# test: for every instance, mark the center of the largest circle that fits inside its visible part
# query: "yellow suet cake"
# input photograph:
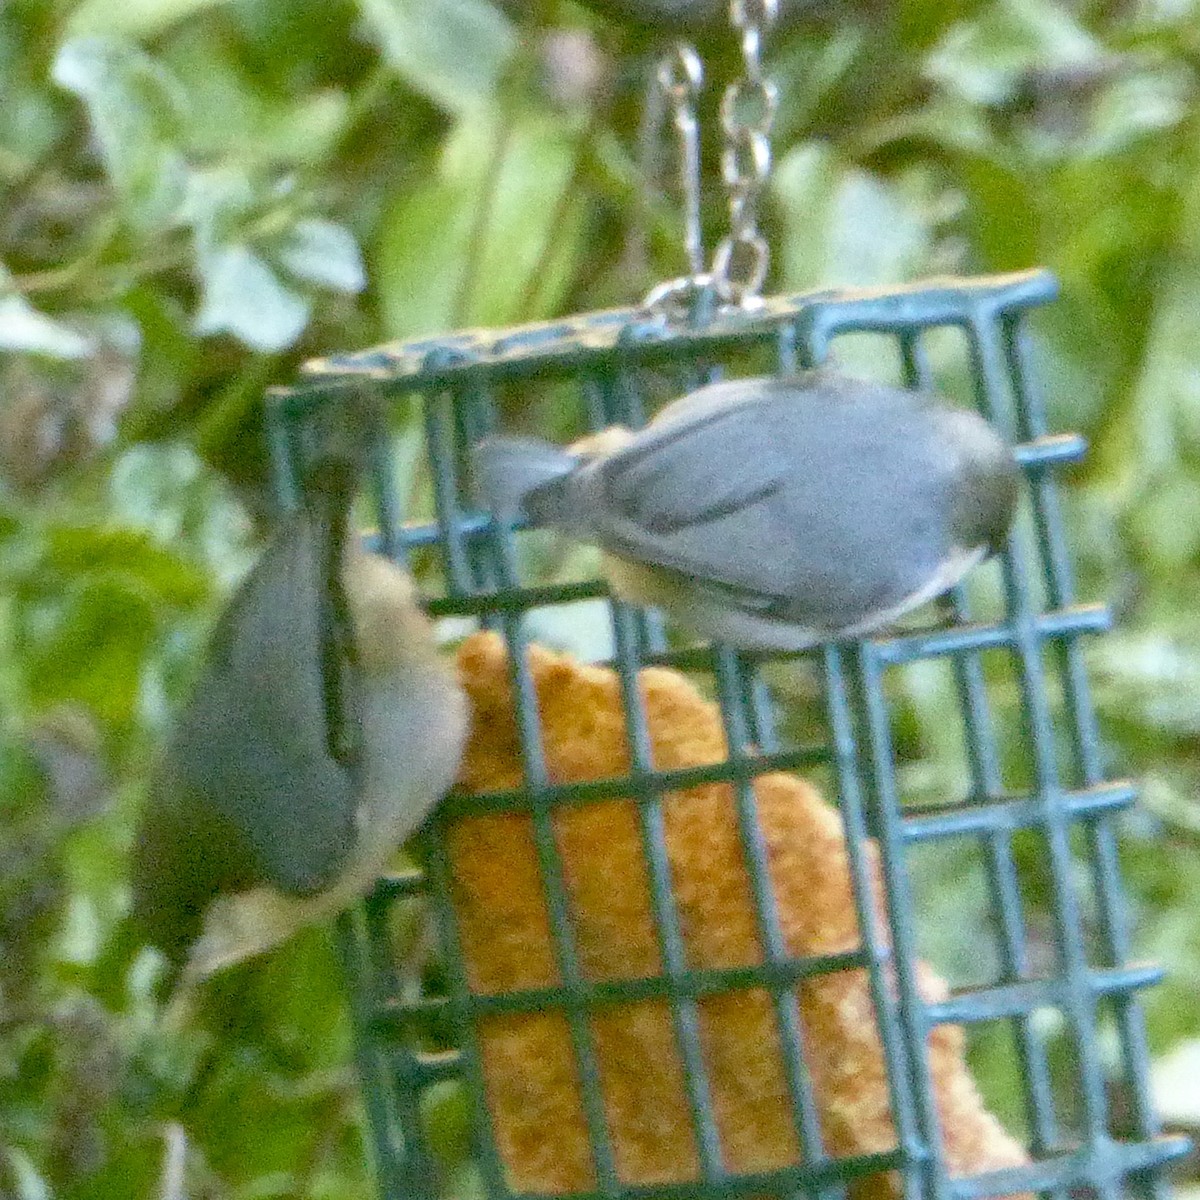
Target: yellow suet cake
(533, 1090)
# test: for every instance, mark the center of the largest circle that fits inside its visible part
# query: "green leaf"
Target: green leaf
(843, 226)
(166, 490)
(30, 121)
(1164, 524)
(1152, 677)
(1139, 104)
(134, 18)
(133, 1167)
(452, 51)
(946, 120)
(1165, 411)
(304, 131)
(93, 648)
(323, 253)
(133, 554)
(446, 1113)
(1173, 1081)
(29, 1184)
(220, 201)
(247, 1097)
(984, 60)
(24, 329)
(233, 115)
(133, 105)
(463, 247)
(244, 297)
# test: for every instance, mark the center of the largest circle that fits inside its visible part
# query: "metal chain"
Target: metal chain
(748, 110)
(678, 78)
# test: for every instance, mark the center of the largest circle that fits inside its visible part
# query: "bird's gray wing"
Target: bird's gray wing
(800, 498)
(253, 743)
(676, 474)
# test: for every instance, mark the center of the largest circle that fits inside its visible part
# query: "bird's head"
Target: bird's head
(988, 482)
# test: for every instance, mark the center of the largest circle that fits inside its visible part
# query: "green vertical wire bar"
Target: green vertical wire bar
(1080, 999)
(1036, 1080)
(492, 557)
(755, 696)
(988, 389)
(897, 1051)
(786, 358)
(375, 964)
(752, 703)
(1086, 743)
(914, 362)
(281, 427)
(900, 911)
(625, 397)
(439, 448)
(536, 781)
(382, 476)
(566, 955)
(385, 979)
(491, 1165)
(284, 440)
(908, 1083)
(634, 628)
(378, 1096)
(594, 389)
(391, 544)
(819, 330)
(1006, 906)
(439, 442)
(784, 1002)
(477, 419)
(440, 436)
(475, 411)
(1036, 1083)
(758, 711)
(417, 1161)
(648, 799)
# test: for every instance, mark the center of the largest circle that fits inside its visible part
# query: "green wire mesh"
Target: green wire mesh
(1006, 648)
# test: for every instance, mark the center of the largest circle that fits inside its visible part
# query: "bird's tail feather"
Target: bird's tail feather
(510, 470)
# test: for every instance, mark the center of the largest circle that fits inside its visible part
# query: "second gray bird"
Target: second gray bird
(321, 732)
(774, 514)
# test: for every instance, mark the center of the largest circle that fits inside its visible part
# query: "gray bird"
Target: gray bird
(322, 730)
(774, 514)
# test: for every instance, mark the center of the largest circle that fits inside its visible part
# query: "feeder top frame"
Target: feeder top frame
(576, 343)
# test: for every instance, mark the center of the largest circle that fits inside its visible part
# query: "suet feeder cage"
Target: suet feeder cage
(682, 1068)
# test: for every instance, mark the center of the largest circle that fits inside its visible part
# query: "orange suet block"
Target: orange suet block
(533, 1088)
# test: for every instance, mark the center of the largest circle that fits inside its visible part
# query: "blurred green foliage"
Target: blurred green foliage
(197, 195)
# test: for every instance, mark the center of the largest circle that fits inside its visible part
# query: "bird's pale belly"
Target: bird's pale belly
(240, 926)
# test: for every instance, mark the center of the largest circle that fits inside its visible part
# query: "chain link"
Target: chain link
(678, 78)
(748, 110)
(748, 107)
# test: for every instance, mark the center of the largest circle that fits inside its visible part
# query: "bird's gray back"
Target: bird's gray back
(253, 740)
(817, 490)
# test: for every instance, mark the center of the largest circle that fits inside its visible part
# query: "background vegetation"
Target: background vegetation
(196, 195)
